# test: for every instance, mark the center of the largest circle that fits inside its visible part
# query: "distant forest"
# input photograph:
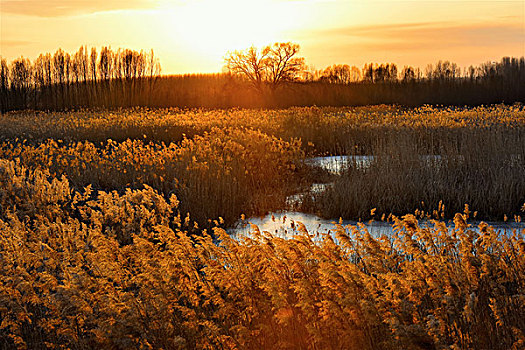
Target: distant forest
(125, 78)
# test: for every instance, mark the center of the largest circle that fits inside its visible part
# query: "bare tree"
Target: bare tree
(59, 76)
(272, 65)
(21, 80)
(104, 71)
(4, 85)
(153, 72)
(341, 74)
(250, 64)
(368, 73)
(355, 74)
(105, 64)
(93, 70)
(282, 63)
(408, 74)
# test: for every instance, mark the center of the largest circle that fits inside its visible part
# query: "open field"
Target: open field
(113, 229)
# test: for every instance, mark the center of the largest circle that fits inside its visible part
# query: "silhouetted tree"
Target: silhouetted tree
(408, 74)
(250, 64)
(21, 80)
(59, 76)
(341, 74)
(443, 71)
(282, 63)
(4, 85)
(384, 73)
(272, 65)
(129, 78)
(368, 73)
(153, 72)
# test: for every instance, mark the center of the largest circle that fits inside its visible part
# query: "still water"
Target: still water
(287, 225)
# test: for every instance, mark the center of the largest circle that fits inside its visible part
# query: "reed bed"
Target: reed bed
(249, 160)
(485, 169)
(223, 172)
(326, 130)
(84, 270)
(112, 229)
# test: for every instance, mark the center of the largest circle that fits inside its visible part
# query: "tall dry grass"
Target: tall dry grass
(478, 167)
(331, 130)
(482, 153)
(221, 173)
(97, 250)
(68, 279)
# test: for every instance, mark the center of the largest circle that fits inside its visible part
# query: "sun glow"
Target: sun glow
(214, 27)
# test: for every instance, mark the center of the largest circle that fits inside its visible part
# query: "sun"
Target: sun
(214, 27)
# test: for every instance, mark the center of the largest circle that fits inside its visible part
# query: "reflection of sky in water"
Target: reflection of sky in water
(286, 225)
(336, 164)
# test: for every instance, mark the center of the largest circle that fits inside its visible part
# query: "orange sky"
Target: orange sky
(193, 35)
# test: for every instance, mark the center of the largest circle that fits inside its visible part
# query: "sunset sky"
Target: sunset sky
(193, 36)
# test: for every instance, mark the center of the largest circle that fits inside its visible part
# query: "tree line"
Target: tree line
(441, 83)
(258, 66)
(271, 76)
(86, 78)
(509, 68)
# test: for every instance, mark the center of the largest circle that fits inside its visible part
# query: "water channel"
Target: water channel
(285, 224)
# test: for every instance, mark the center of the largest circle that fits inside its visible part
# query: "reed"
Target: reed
(222, 173)
(484, 168)
(69, 280)
(253, 157)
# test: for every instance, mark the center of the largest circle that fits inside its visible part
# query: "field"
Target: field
(114, 229)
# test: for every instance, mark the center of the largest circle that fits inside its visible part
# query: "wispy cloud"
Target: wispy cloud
(57, 8)
(428, 35)
(14, 43)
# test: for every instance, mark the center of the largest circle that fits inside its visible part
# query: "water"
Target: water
(337, 164)
(287, 224)
(295, 200)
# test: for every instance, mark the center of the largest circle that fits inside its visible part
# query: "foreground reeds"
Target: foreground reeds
(89, 270)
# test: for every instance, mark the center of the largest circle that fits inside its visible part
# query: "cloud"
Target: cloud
(428, 35)
(14, 43)
(57, 8)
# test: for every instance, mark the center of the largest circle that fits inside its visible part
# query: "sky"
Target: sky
(191, 36)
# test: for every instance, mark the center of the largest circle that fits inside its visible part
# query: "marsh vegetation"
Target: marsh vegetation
(115, 228)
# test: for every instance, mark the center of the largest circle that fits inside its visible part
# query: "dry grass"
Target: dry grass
(331, 130)
(224, 172)
(484, 168)
(482, 148)
(97, 251)
(69, 279)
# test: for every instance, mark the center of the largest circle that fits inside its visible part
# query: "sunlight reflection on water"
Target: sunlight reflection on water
(337, 164)
(286, 225)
